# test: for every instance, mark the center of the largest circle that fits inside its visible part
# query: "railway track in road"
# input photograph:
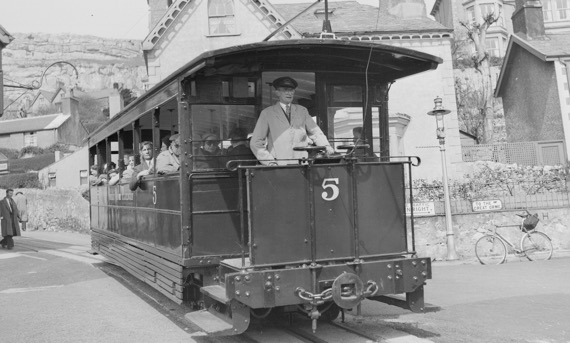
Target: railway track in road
(326, 333)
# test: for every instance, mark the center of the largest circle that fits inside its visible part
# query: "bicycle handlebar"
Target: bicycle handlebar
(524, 215)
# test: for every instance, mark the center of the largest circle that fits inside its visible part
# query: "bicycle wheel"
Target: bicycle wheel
(537, 246)
(490, 250)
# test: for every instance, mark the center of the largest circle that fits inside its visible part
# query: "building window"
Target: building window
(51, 177)
(30, 139)
(563, 9)
(492, 47)
(556, 10)
(221, 17)
(487, 9)
(83, 177)
(470, 12)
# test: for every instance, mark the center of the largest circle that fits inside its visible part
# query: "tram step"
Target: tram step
(216, 292)
(209, 322)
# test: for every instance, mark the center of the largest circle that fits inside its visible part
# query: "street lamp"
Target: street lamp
(439, 112)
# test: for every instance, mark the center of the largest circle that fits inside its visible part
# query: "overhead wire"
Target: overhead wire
(367, 86)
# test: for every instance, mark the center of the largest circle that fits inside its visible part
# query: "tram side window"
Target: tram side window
(168, 150)
(345, 115)
(211, 128)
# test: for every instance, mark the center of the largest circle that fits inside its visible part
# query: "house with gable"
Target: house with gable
(183, 29)
(44, 131)
(45, 99)
(533, 84)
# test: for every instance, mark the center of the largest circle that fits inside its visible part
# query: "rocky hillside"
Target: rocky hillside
(100, 62)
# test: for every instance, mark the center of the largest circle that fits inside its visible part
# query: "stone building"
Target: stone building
(533, 84)
(44, 131)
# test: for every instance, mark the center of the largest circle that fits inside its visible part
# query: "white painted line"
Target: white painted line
(15, 254)
(29, 289)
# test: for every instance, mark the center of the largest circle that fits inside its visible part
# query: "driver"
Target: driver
(284, 126)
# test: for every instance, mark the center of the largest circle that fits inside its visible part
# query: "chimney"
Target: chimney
(59, 84)
(116, 103)
(407, 9)
(528, 20)
(69, 104)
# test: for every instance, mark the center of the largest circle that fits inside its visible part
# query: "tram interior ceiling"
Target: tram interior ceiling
(233, 240)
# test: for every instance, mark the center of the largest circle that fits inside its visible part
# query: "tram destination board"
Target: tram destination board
(487, 205)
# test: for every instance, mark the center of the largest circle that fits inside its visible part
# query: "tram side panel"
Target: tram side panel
(279, 216)
(168, 222)
(381, 209)
(215, 215)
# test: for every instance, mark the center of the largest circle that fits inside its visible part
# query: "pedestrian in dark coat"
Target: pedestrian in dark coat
(9, 217)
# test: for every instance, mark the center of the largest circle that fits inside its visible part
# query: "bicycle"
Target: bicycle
(534, 245)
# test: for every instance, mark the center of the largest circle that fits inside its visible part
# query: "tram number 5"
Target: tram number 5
(154, 195)
(332, 185)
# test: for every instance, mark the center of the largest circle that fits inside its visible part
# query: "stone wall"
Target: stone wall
(66, 210)
(431, 231)
(56, 210)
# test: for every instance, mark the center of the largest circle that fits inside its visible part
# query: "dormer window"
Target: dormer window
(221, 17)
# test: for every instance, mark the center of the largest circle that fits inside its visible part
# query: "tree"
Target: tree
(128, 96)
(475, 98)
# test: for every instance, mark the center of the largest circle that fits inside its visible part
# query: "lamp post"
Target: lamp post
(438, 112)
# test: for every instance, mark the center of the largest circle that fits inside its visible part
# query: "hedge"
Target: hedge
(36, 163)
(22, 180)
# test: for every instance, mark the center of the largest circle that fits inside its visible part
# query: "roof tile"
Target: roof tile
(40, 123)
(351, 16)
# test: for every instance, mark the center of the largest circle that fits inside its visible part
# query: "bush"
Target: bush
(23, 180)
(31, 150)
(10, 153)
(492, 179)
(35, 163)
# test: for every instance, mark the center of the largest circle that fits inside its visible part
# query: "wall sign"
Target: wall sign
(487, 205)
(421, 209)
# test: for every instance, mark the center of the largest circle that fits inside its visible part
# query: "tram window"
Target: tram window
(376, 132)
(238, 88)
(214, 123)
(114, 145)
(342, 123)
(145, 123)
(304, 94)
(346, 93)
(168, 121)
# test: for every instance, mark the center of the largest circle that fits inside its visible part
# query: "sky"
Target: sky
(124, 19)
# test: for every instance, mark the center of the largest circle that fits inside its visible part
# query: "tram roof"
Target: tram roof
(391, 62)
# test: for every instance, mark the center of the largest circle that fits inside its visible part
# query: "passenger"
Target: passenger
(145, 167)
(284, 126)
(108, 167)
(128, 172)
(114, 176)
(165, 143)
(95, 179)
(357, 135)
(169, 161)
(239, 149)
(209, 154)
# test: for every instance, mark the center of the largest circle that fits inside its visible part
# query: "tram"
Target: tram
(239, 240)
